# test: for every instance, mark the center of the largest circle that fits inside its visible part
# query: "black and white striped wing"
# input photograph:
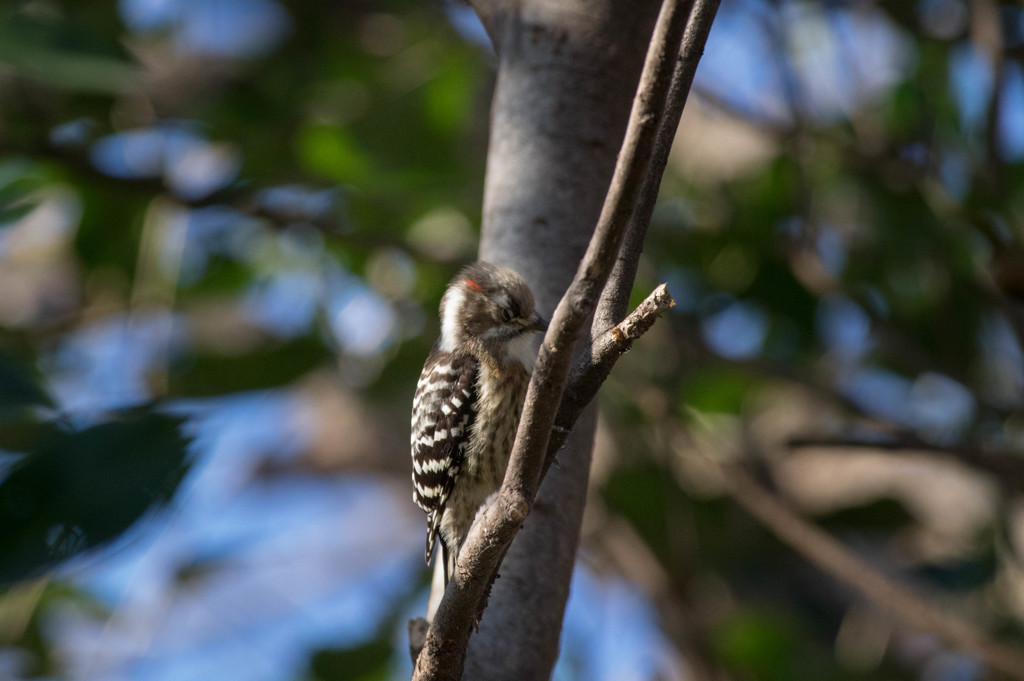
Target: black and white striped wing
(442, 414)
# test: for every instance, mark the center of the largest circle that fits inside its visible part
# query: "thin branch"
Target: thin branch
(591, 371)
(444, 652)
(615, 299)
(1006, 466)
(836, 560)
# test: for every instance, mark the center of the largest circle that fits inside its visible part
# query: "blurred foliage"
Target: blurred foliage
(363, 663)
(77, 490)
(19, 388)
(220, 199)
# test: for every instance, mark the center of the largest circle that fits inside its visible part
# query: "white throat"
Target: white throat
(453, 300)
(524, 349)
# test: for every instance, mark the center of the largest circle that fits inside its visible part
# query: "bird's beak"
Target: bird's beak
(539, 323)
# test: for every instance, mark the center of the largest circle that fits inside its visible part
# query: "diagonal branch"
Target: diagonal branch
(591, 371)
(834, 559)
(443, 654)
(615, 299)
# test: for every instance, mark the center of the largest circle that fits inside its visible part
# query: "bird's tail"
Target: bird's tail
(443, 567)
(433, 525)
(449, 563)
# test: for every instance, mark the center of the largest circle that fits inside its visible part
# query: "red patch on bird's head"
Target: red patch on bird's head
(473, 285)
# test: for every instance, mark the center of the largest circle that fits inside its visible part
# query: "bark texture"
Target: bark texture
(567, 73)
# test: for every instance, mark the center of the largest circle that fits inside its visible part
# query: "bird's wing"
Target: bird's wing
(442, 414)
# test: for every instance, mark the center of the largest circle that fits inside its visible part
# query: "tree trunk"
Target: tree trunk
(567, 73)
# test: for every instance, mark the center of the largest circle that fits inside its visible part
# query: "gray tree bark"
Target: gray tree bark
(567, 73)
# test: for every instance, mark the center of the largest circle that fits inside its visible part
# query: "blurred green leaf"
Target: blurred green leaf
(41, 51)
(15, 200)
(81, 489)
(780, 291)
(448, 96)
(333, 152)
(108, 212)
(20, 387)
(368, 662)
(758, 643)
(69, 70)
(774, 645)
(267, 367)
(646, 497)
(717, 389)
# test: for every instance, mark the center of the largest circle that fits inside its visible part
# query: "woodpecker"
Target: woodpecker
(469, 398)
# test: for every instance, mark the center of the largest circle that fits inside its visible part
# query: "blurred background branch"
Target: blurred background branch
(830, 556)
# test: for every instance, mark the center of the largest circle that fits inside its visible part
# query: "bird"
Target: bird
(468, 400)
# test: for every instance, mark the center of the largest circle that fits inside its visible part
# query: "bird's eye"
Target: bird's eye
(506, 314)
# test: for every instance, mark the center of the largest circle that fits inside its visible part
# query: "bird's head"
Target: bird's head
(490, 308)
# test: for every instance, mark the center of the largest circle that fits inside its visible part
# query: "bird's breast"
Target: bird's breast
(500, 394)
